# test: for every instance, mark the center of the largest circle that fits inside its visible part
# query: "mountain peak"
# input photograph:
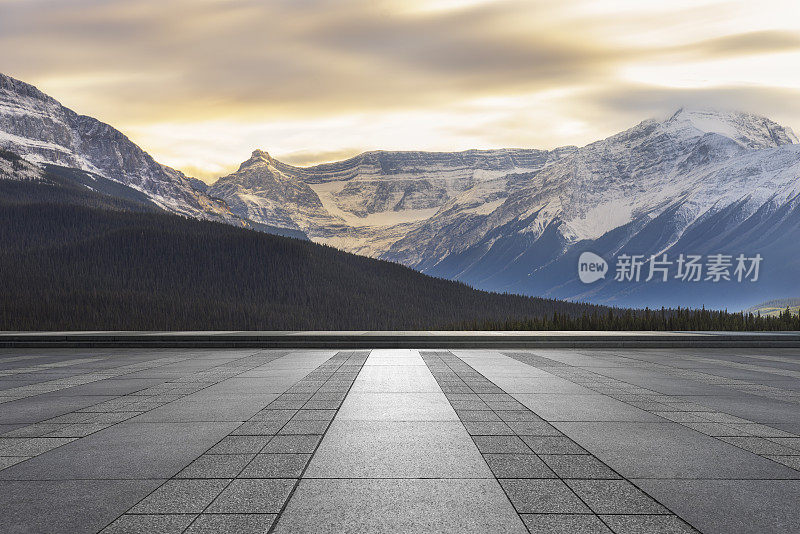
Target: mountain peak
(260, 154)
(257, 157)
(38, 128)
(746, 129)
(19, 88)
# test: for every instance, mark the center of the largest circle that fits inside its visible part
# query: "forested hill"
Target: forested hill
(74, 259)
(106, 258)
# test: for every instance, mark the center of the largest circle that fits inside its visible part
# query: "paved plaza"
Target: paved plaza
(550, 441)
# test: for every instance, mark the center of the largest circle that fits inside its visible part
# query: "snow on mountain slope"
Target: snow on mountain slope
(508, 219)
(368, 202)
(660, 187)
(746, 129)
(500, 218)
(39, 128)
(258, 190)
(638, 173)
(14, 167)
(677, 160)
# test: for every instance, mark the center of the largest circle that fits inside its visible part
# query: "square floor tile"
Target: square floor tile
(565, 524)
(232, 524)
(273, 414)
(615, 497)
(148, 524)
(314, 415)
(517, 415)
(469, 405)
(518, 466)
(253, 496)
(276, 466)
(488, 428)
(579, 466)
(240, 445)
(292, 444)
(180, 497)
(500, 444)
(537, 496)
(477, 415)
(322, 405)
(305, 427)
(259, 428)
(216, 466)
(533, 428)
(647, 524)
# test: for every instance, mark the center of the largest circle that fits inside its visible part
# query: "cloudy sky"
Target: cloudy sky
(201, 83)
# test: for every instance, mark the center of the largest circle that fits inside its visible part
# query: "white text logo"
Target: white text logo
(591, 267)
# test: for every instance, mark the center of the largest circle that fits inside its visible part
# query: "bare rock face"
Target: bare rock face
(696, 182)
(514, 220)
(15, 167)
(41, 130)
(263, 193)
(366, 203)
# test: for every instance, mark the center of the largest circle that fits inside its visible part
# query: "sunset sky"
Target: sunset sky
(201, 83)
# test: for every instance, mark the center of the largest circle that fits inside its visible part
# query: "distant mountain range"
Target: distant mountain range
(106, 257)
(697, 183)
(776, 307)
(46, 133)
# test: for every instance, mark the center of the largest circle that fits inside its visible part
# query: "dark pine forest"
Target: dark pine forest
(73, 259)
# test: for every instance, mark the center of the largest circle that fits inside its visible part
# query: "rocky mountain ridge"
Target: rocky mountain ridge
(696, 181)
(37, 127)
(479, 216)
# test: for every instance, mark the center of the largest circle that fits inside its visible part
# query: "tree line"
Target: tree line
(665, 319)
(74, 260)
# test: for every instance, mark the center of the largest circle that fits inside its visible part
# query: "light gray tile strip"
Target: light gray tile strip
(553, 483)
(762, 440)
(44, 366)
(737, 384)
(243, 482)
(50, 386)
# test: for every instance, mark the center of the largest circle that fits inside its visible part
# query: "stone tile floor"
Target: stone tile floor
(293, 441)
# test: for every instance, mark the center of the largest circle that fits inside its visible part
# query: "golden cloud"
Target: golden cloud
(290, 75)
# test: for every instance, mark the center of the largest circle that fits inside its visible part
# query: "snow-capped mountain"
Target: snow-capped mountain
(40, 129)
(698, 182)
(516, 220)
(367, 203)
